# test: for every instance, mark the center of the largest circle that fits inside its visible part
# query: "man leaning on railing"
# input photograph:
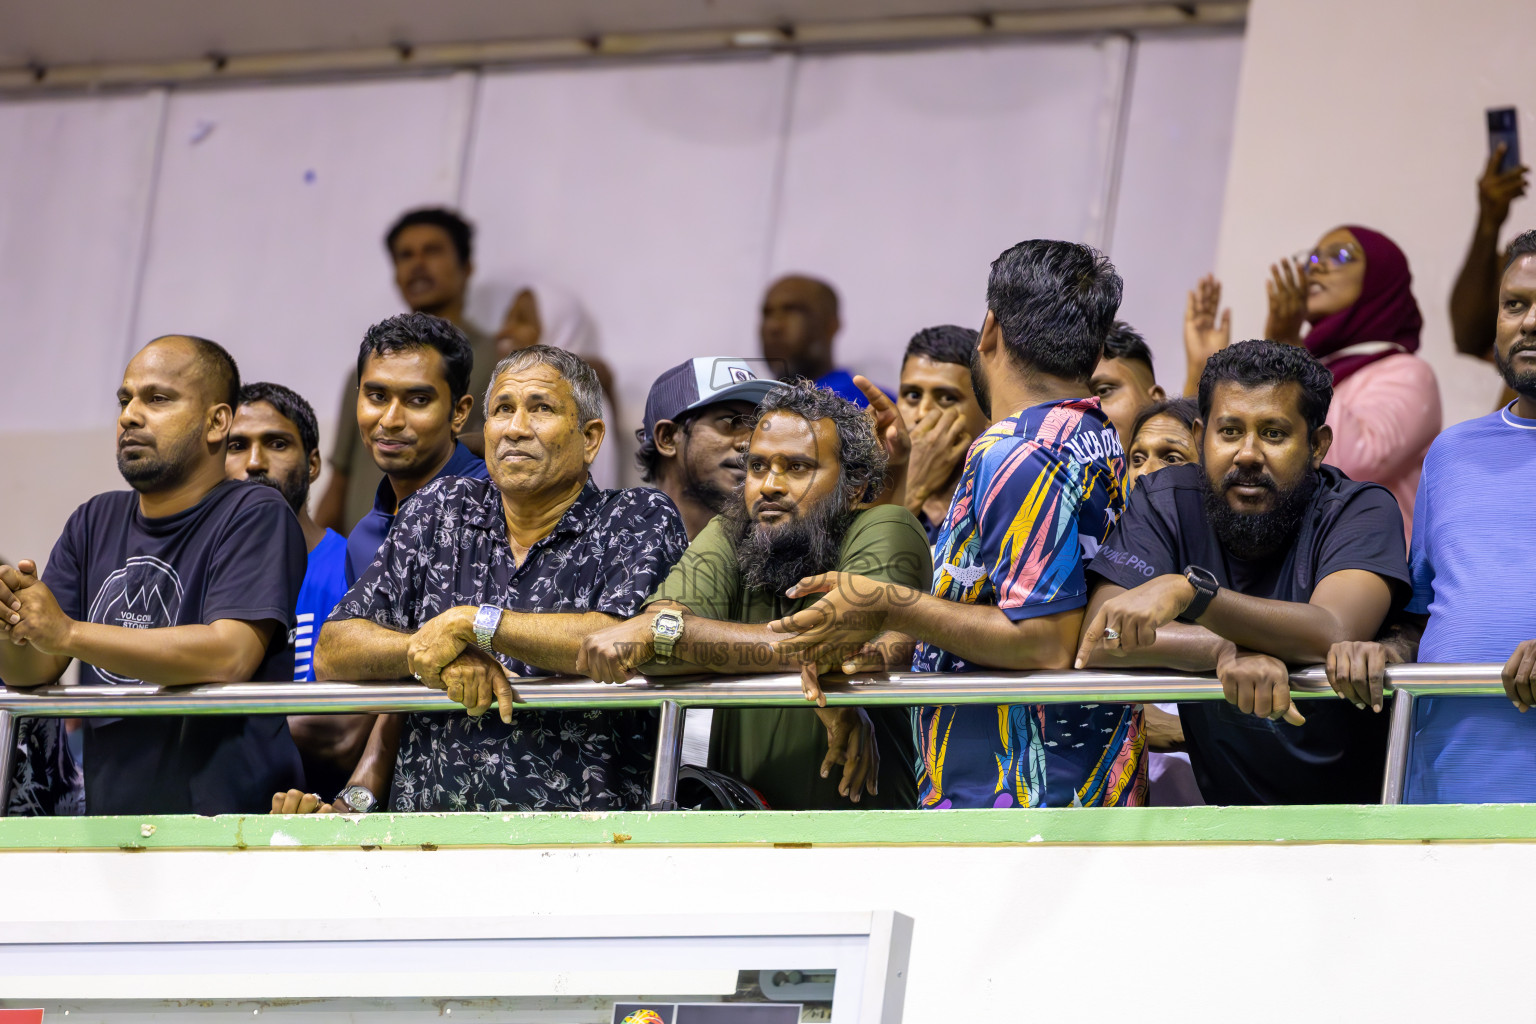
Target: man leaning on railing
(480, 578)
(1258, 559)
(187, 578)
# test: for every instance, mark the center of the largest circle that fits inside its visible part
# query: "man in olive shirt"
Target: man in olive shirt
(431, 250)
(813, 466)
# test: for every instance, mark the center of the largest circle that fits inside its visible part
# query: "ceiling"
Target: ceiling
(50, 33)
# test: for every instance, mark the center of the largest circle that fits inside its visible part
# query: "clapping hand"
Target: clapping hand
(1287, 291)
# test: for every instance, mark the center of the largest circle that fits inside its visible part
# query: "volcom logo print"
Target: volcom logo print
(145, 593)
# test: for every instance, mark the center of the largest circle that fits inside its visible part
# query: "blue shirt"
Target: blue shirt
(1471, 549)
(841, 383)
(325, 584)
(368, 535)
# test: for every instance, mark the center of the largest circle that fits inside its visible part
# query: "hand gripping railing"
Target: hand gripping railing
(672, 695)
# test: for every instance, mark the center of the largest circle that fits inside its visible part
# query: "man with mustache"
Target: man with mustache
(1258, 559)
(413, 402)
(814, 465)
(697, 423)
(187, 578)
(432, 252)
(1472, 600)
(480, 579)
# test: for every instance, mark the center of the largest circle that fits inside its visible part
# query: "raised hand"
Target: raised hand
(1287, 291)
(1496, 191)
(1207, 327)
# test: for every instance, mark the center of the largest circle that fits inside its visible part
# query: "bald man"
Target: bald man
(800, 320)
(186, 578)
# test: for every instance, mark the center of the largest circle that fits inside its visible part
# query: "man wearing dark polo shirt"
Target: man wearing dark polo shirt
(412, 404)
(1257, 560)
(187, 578)
(813, 464)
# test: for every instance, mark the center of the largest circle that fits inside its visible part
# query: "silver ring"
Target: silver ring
(1110, 633)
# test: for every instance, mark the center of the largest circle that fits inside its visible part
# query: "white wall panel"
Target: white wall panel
(75, 180)
(270, 213)
(907, 173)
(1173, 173)
(645, 189)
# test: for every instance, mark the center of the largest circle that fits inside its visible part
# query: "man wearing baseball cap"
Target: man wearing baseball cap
(696, 429)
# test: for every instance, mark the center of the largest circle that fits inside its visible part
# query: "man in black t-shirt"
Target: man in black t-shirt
(1266, 558)
(187, 578)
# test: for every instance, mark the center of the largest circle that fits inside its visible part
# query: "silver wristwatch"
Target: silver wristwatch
(359, 798)
(487, 619)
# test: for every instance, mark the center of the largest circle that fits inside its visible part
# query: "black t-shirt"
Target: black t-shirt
(1339, 754)
(237, 554)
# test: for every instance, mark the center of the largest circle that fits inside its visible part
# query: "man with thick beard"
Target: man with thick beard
(697, 422)
(814, 465)
(1472, 600)
(1259, 559)
(187, 578)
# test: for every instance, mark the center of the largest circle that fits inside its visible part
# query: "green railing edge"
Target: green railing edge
(1093, 826)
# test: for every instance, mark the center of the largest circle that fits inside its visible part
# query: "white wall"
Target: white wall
(1324, 933)
(666, 193)
(1371, 112)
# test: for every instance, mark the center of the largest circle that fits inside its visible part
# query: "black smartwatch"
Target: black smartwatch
(1204, 582)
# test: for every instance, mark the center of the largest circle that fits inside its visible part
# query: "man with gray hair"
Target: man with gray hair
(814, 468)
(482, 579)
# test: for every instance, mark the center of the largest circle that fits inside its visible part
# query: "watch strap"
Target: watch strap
(487, 619)
(1204, 582)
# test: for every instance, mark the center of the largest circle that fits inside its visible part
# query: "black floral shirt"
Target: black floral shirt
(449, 547)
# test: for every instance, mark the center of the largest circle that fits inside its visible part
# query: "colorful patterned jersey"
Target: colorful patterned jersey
(1038, 493)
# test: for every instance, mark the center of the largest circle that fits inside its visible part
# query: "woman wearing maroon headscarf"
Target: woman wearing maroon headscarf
(1355, 291)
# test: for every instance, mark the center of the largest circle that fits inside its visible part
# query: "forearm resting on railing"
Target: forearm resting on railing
(356, 649)
(225, 651)
(985, 635)
(1347, 605)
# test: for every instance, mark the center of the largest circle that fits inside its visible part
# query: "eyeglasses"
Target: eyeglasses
(1333, 258)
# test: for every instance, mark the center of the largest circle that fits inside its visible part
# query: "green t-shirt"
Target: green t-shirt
(778, 751)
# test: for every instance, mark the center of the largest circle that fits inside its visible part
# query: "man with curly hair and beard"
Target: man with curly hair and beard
(813, 467)
(1258, 559)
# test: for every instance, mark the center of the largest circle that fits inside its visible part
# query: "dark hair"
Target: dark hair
(215, 361)
(946, 344)
(1054, 302)
(291, 405)
(1255, 364)
(421, 330)
(1523, 245)
(1182, 409)
(647, 457)
(860, 453)
(460, 231)
(1124, 342)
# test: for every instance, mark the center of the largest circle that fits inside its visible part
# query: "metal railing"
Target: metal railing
(671, 696)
